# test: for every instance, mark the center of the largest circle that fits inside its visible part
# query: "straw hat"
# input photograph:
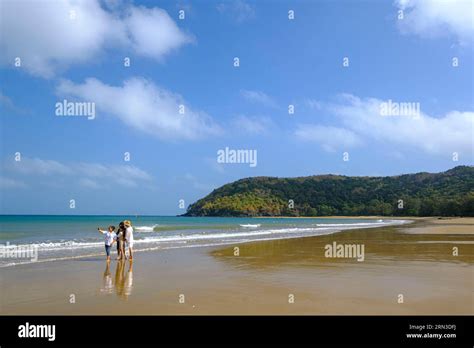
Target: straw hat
(127, 223)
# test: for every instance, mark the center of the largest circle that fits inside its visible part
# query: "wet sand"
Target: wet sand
(290, 276)
(445, 226)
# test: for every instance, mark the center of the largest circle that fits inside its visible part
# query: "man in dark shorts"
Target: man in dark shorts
(120, 241)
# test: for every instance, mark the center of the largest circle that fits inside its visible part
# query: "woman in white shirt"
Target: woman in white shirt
(129, 237)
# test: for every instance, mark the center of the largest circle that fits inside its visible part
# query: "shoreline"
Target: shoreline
(261, 279)
(349, 217)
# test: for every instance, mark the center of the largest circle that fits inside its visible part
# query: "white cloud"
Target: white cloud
(153, 33)
(142, 105)
(51, 35)
(90, 175)
(7, 183)
(253, 125)
(431, 18)
(6, 101)
(259, 97)
(313, 104)
(239, 10)
(89, 183)
(41, 167)
(8, 104)
(452, 132)
(330, 138)
(196, 184)
(124, 175)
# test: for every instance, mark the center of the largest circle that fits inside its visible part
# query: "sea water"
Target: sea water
(68, 237)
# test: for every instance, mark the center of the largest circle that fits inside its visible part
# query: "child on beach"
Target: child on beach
(110, 238)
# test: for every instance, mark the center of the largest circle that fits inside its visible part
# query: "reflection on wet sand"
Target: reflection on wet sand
(123, 281)
(382, 245)
(107, 284)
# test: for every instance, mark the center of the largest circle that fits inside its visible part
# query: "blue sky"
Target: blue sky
(75, 51)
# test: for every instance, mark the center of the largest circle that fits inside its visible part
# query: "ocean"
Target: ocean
(42, 238)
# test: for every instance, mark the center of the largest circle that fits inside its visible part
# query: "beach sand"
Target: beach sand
(414, 260)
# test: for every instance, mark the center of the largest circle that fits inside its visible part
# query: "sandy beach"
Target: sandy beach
(290, 277)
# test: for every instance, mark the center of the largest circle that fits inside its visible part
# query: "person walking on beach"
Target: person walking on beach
(110, 238)
(121, 241)
(129, 237)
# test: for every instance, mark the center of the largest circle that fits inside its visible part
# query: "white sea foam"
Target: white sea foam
(230, 235)
(63, 245)
(145, 228)
(355, 224)
(250, 225)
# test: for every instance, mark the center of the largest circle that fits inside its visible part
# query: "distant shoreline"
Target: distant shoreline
(346, 217)
(383, 217)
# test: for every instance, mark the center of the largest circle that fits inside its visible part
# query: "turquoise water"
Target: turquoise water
(66, 237)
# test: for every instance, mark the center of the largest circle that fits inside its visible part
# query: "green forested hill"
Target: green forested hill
(449, 193)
